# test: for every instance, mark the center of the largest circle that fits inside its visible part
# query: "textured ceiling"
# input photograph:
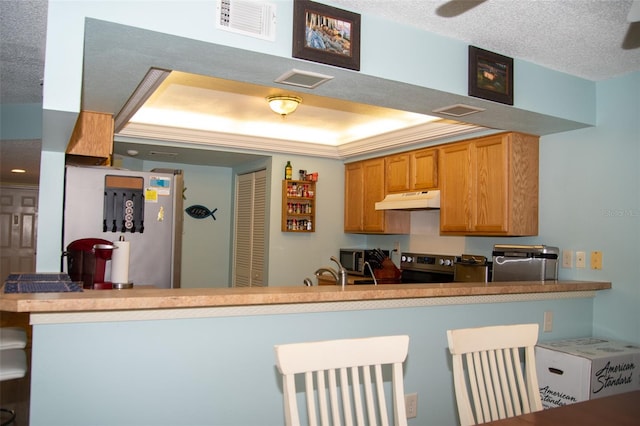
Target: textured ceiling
(584, 38)
(23, 29)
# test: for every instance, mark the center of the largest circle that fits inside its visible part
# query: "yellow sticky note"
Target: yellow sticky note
(150, 195)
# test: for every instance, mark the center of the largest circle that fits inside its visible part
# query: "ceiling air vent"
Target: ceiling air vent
(248, 17)
(458, 110)
(307, 79)
(163, 154)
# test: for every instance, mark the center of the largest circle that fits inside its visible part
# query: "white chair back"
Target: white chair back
(344, 367)
(494, 372)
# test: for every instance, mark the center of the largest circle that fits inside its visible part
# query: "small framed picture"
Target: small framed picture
(490, 76)
(326, 34)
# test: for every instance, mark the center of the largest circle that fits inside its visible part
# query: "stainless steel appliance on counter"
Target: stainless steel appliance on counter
(144, 207)
(353, 260)
(426, 268)
(472, 268)
(525, 262)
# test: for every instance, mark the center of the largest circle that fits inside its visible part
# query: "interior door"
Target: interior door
(18, 224)
(249, 232)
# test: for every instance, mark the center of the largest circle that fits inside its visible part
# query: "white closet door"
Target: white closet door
(249, 233)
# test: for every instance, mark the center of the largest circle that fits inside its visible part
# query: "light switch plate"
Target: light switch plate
(567, 259)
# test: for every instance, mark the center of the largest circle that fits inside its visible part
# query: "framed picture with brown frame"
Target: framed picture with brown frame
(326, 34)
(490, 76)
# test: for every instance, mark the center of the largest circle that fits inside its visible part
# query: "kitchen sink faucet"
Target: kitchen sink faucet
(340, 275)
(343, 272)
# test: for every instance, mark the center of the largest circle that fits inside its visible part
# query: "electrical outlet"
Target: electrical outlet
(581, 261)
(567, 259)
(411, 404)
(596, 260)
(547, 325)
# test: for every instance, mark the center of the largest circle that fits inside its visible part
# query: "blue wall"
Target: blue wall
(221, 371)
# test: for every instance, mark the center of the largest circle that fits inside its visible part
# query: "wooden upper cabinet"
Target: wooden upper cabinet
(489, 186)
(455, 188)
(397, 169)
(92, 139)
(373, 191)
(424, 170)
(412, 171)
(353, 205)
(365, 186)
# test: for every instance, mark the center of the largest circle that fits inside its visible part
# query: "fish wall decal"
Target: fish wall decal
(200, 212)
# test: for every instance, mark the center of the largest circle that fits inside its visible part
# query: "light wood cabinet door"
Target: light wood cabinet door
(353, 198)
(364, 187)
(523, 184)
(424, 170)
(456, 206)
(373, 220)
(398, 173)
(489, 186)
(490, 164)
(412, 171)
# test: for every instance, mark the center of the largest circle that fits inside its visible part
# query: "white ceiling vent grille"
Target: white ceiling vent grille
(307, 79)
(248, 17)
(458, 110)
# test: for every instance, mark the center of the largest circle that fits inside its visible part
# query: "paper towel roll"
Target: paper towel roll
(120, 263)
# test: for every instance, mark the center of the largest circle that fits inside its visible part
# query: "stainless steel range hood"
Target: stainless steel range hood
(423, 200)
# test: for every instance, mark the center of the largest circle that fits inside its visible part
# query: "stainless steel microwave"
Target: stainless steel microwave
(353, 260)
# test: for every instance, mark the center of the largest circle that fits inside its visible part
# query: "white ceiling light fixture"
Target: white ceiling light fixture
(284, 104)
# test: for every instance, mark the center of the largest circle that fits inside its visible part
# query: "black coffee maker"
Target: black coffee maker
(87, 262)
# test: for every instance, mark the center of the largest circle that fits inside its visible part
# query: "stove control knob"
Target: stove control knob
(403, 258)
(447, 262)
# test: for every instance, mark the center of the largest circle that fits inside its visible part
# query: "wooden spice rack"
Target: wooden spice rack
(298, 206)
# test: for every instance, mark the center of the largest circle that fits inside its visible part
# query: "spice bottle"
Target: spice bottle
(288, 170)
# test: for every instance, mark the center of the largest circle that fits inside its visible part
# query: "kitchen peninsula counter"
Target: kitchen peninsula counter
(153, 349)
(158, 299)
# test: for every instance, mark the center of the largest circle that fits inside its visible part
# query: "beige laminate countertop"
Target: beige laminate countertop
(149, 298)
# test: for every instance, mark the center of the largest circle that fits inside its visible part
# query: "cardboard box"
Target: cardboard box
(576, 370)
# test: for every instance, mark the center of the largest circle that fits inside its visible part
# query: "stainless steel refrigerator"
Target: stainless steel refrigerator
(145, 208)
